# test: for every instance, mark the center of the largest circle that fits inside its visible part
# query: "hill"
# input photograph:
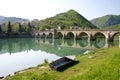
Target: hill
(117, 26)
(2, 17)
(108, 21)
(11, 19)
(66, 20)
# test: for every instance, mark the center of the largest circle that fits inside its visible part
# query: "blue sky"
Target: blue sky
(40, 9)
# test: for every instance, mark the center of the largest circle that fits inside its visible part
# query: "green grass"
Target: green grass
(105, 65)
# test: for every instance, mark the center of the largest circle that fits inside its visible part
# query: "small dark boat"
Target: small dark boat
(60, 63)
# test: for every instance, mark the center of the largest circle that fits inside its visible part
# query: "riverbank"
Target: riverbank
(102, 64)
(15, 35)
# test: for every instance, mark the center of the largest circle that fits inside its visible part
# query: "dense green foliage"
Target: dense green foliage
(16, 27)
(107, 21)
(117, 26)
(67, 20)
(103, 66)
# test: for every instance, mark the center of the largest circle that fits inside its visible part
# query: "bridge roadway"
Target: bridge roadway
(91, 33)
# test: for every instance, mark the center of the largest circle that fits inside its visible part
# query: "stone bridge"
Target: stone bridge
(77, 34)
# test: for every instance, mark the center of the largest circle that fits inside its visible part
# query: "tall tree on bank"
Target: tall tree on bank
(20, 28)
(9, 27)
(30, 27)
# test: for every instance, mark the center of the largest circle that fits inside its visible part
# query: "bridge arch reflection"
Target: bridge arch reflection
(18, 45)
(83, 43)
(78, 43)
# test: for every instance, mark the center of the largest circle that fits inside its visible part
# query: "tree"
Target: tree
(15, 27)
(9, 27)
(55, 32)
(30, 27)
(20, 28)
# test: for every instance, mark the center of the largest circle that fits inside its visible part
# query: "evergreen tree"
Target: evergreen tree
(55, 32)
(30, 27)
(9, 27)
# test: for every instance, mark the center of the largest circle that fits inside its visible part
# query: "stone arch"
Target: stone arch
(50, 35)
(70, 35)
(37, 35)
(113, 36)
(82, 35)
(99, 35)
(43, 35)
(60, 35)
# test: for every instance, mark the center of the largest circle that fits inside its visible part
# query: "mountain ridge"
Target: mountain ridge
(4, 19)
(106, 21)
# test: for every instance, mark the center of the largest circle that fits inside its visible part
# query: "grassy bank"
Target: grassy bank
(104, 65)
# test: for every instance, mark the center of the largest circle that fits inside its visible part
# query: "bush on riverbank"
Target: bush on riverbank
(104, 65)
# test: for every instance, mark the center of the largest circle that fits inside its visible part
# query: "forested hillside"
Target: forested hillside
(108, 21)
(67, 20)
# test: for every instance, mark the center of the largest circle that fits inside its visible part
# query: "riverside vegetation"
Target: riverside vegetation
(104, 65)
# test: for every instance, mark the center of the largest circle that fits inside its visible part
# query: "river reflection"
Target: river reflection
(17, 54)
(18, 45)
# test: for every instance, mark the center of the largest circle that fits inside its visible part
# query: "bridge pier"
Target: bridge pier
(89, 37)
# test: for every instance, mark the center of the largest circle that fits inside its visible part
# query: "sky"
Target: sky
(41, 9)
